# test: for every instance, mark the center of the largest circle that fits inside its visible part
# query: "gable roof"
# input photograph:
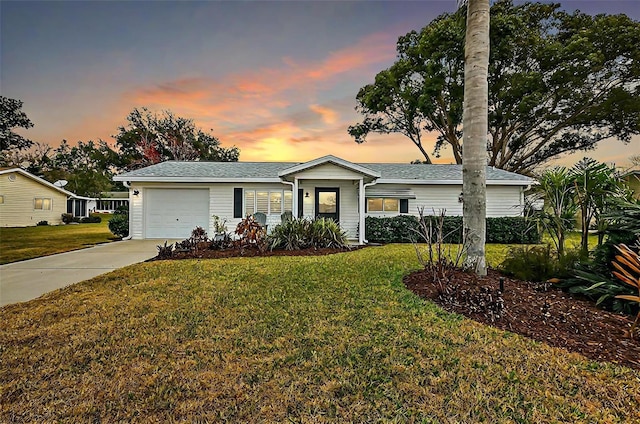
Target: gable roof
(332, 160)
(41, 181)
(396, 173)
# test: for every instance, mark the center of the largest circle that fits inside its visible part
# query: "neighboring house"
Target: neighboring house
(169, 199)
(26, 200)
(109, 201)
(632, 178)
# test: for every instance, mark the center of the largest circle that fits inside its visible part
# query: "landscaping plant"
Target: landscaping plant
(440, 260)
(251, 233)
(301, 233)
(627, 270)
(119, 223)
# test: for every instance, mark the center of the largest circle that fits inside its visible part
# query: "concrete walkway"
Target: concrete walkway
(26, 280)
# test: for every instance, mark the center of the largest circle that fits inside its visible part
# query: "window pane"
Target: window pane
(374, 205)
(37, 203)
(46, 204)
(391, 205)
(275, 202)
(249, 202)
(288, 201)
(262, 201)
(1, 200)
(327, 202)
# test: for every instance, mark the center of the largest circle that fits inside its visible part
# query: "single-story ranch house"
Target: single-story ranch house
(169, 199)
(26, 199)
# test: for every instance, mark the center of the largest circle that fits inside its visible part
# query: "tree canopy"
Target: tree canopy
(150, 138)
(11, 117)
(558, 83)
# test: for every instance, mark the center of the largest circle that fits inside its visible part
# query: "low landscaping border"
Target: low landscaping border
(403, 229)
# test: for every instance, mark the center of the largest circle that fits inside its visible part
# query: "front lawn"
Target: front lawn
(303, 339)
(18, 244)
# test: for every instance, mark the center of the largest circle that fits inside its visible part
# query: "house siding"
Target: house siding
(349, 216)
(501, 200)
(18, 207)
(328, 172)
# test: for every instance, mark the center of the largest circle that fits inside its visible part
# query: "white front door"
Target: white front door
(174, 213)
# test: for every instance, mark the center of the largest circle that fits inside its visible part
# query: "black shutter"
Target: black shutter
(300, 202)
(404, 205)
(366, 205)
(237, 203)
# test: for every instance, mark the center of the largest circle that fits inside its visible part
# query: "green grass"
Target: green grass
(18, 244)
(301, 339)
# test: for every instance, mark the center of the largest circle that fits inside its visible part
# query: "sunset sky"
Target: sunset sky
(276, 79)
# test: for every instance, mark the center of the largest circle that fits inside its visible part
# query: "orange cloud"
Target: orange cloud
(328, 116)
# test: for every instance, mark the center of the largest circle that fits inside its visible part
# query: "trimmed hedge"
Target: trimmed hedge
(402, 229)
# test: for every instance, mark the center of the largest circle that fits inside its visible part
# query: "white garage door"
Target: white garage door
(173, 213)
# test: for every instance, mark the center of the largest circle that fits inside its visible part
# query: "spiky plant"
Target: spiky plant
(627, 270)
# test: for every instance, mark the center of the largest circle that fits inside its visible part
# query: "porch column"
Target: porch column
(361, 200)
(294, 198)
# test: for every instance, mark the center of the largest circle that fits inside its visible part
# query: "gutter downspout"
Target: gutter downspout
(127, 185)
(363, 195)
(294, 198)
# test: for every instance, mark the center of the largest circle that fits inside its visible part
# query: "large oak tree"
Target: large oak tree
(558, 83)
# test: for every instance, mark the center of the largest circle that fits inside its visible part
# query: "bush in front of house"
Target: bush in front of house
(42, 224)
(403, 229)
(67, 218)
(93, 219)
(301, 233)
(119, 225)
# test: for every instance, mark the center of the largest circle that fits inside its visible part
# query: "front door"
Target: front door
(328, 203)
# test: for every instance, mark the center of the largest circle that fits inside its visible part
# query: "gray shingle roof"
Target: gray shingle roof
(210, 171)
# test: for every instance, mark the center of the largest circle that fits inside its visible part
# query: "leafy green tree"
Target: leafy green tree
(150, 138)
(474, 162)
(87, 167)
(597, 187)
(11, 117)
(556, 191)
(558, 83)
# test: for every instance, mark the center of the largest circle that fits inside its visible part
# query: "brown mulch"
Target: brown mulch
(252, 252)
(538, 311)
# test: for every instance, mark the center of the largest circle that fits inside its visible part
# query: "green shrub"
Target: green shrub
(42, 223)
(301, 233)
(403, 229)
(91, 219)
(539, 263)
(67, 218)
(593, 276)
(119, 225)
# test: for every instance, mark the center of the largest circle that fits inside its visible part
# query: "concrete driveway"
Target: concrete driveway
(26, 280)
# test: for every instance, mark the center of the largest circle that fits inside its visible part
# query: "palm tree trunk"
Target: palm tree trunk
(475, 127)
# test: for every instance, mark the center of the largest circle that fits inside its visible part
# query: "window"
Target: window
(262, 202)
(1, 199)
(275, 201)
(272, 202)
(42, 203)
(380, 204)
(250, 202)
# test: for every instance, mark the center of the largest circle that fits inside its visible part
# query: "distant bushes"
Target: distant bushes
(402, 229)
(119, 223)
(68, 218)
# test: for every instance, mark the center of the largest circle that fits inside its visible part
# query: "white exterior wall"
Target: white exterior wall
(17, 210)
(328, 171)
(220, 203)
(349, 216)
(501, 200)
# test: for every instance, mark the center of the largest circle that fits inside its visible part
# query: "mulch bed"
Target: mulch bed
(538, 311)
(252, 252)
